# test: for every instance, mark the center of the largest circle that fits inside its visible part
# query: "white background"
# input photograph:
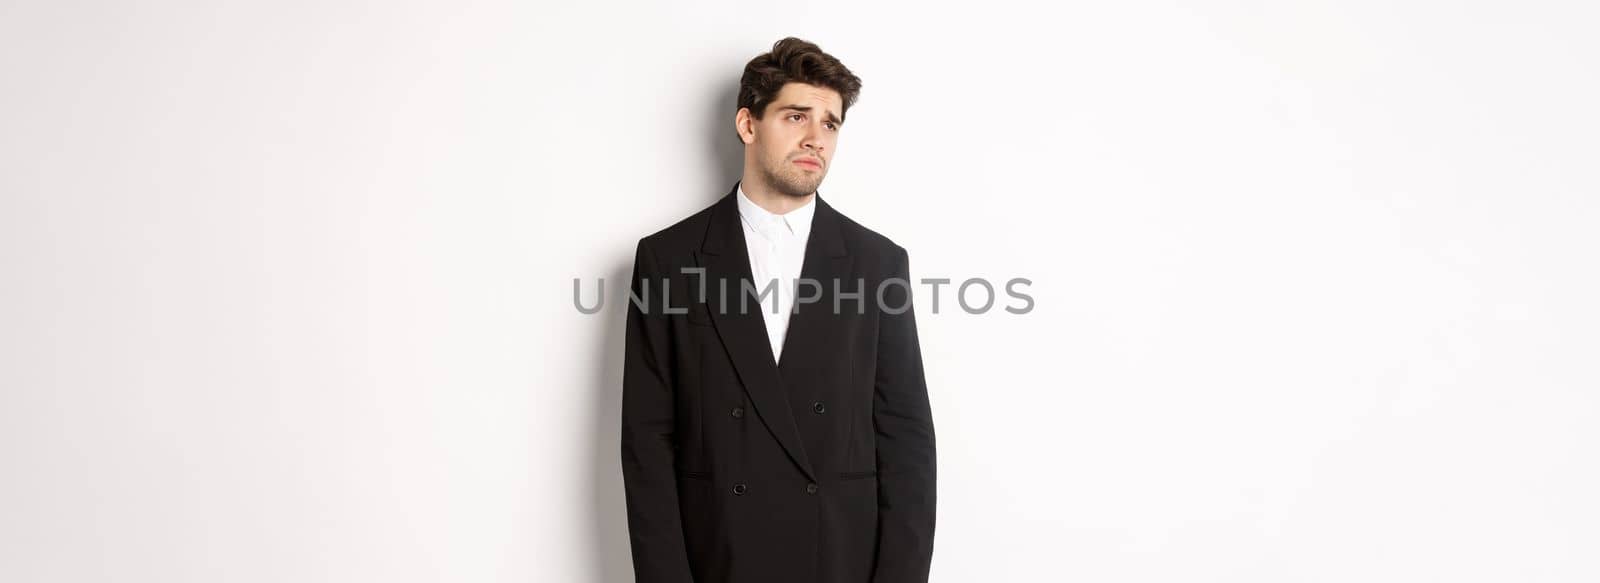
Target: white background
(287, 286)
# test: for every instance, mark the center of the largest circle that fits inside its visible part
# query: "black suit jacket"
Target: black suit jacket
(739, 469)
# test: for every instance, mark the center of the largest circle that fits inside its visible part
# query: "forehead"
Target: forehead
(795, 93)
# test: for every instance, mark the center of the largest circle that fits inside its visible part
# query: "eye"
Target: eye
(833, 127)
(795, 115)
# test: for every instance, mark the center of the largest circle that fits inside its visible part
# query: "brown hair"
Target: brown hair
(794, 61)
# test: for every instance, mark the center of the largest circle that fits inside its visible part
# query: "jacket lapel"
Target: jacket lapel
(826, 261)
(725, 258)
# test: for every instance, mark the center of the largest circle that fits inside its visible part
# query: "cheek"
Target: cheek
(776, 151)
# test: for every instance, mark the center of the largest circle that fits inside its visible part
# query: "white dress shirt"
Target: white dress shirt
(777, 245)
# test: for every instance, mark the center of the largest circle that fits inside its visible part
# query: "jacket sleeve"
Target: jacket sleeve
(655, 532)
(903, 424)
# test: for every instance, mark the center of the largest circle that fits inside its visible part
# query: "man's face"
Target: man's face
(792, 146)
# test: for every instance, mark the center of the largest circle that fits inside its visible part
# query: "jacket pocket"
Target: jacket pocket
(857, 475)
(696, 475)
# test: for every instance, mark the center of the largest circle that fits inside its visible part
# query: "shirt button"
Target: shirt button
(739, 489)
(738, 412)
(819, 407)
(811, 488)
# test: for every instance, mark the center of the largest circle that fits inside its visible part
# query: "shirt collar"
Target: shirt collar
(798, 220)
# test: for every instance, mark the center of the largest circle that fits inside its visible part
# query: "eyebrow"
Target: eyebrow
(806, 108)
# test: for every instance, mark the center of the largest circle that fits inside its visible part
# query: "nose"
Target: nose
(813, 141)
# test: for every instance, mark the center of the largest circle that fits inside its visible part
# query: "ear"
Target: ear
(745, 124)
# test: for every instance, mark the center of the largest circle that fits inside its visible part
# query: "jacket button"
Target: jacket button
(739, 489)
(811, 488)
(738, 412)
(819, 407)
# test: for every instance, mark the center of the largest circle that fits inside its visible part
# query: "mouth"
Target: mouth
(809, 163)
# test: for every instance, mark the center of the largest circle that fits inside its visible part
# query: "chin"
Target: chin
(792, 184)
(801, 189)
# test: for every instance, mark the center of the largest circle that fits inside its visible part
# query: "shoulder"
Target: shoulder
(871, 246)
(676, 243)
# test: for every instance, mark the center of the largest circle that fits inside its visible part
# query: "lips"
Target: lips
(812, 162)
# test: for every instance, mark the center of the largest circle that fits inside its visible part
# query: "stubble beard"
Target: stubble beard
(790, 181)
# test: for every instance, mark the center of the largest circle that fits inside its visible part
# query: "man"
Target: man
(775, 421)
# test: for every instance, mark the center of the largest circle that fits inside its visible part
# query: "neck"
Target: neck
(770, 199)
